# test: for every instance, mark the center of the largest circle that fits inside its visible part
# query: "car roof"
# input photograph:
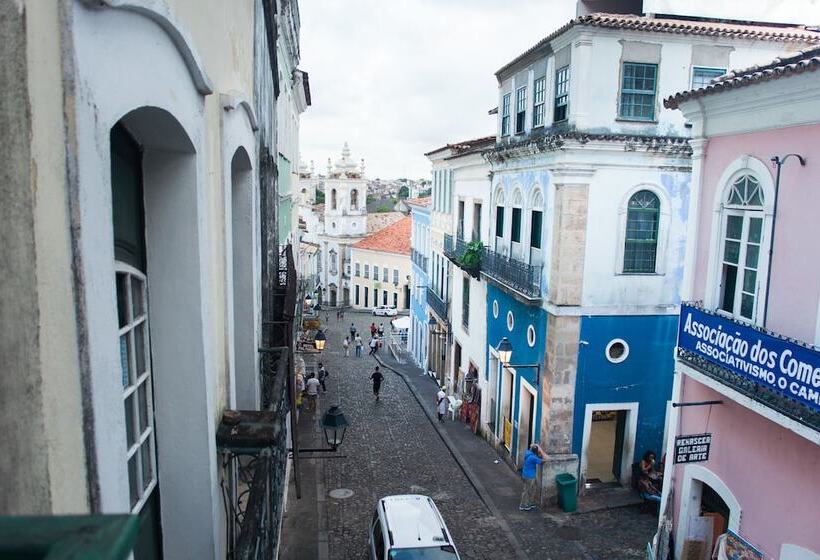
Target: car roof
(414, 521)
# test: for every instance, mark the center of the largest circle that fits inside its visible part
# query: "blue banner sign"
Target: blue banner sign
(785, 367)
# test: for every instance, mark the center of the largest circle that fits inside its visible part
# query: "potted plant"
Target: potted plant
(470, 260)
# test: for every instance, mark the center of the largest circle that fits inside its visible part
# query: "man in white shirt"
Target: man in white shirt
(441, 404)
(312, 389)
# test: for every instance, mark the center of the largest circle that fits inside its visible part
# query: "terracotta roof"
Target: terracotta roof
(380, 220)
(395, 238)
(806, 61)
(460, 148)
(768, 32)
(421, 201)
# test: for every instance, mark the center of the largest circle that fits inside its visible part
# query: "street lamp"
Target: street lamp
(334, 424)
(504, 350)
(320, 340)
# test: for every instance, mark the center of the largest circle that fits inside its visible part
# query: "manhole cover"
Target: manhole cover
(341, 493)
(568, 533)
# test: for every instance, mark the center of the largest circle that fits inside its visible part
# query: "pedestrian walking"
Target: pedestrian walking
(300, 389)
(327, 317)
(312, 389)
(377, 378)
(374, 346)
(381, 330)
(373, 329)
(532, 458)
(359, 343)
(352, 330)
(346, 346)
(441, 404)
(322, 375)
(338, 315)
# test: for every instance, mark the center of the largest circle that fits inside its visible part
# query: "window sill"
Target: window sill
(637, 121)
(640, 274)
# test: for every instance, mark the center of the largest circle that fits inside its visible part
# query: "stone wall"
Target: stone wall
(569, 235)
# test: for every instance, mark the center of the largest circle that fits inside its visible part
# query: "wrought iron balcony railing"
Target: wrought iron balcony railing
(438, 305)
(454, 249)
(419, 259)
(733, 364)
(510, 272)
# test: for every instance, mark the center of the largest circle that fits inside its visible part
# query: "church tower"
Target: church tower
(345, 197)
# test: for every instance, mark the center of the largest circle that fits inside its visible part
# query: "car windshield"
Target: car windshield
(446, 552)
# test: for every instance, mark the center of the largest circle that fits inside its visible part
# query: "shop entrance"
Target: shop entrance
(526, 420)
(505, 425)
(608, 443)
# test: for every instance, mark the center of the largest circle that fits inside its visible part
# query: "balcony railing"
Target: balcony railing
(419, 259)
(438, 305)
(454, 249)
(773, 370)
(512, 273)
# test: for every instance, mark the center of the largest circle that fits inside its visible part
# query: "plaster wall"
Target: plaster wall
(746, 450)
(382, 259)
(472, 338)
(794, 292)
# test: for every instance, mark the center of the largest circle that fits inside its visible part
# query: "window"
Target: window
(638, 91)
(333, 201)
(535, 230)
(460, 231)
(384, 297)
(741, 247)
(332, 257)
(538, 96)
(357, 294)
(465, 301)
(505, 115)
(367, 271)
(358, 269)
(375, 272)
(385, 274)
(354, 199)
(641, 243)
(395, 275)
(366, 294)
(561, 94)
(396, 300)
(476, 222)
(499, 221)
(701, 77)
(516, 225)
(520, 109)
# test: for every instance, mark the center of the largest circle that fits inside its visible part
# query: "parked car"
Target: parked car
(409, 527)
(385, 311)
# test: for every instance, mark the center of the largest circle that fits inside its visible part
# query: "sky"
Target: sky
(398, 78)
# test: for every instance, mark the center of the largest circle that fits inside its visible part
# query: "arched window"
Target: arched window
(332, 257)
(354, 199)
(333, 199)
(641, 240)
(740, 247)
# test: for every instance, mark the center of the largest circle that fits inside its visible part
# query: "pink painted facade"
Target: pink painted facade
(772, 472)
(795, 286)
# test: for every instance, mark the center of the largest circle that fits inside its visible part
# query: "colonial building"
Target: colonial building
(139, 221)
(744, 439)
(590, 198)
(381, 268)
(419, 251)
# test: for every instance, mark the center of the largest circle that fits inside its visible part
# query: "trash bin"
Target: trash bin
(567, 491)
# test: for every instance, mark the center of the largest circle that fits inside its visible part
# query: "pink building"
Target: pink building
(747, 379)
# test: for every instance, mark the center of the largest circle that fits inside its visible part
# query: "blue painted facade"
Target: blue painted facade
(418, 294)
(645, 376)
(523, 353)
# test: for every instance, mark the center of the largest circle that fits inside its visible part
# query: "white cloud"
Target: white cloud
(398, 78)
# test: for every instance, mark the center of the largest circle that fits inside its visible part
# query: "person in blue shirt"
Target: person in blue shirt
(532, 458)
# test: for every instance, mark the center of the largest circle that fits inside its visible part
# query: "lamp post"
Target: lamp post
(320, 340)
(778, 162)
(334, 425)
(505, 349)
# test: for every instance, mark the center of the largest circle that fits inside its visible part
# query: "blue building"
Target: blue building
(420, 255)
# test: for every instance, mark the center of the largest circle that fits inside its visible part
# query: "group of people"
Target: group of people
(355, 339)
(650, 478)
(311, 386)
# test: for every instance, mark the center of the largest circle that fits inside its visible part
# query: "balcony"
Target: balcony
(438, 305)
(523, 278)
(768, 368)
(418, 259)
(455, 249)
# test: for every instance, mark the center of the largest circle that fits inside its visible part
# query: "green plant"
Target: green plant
(471, 259)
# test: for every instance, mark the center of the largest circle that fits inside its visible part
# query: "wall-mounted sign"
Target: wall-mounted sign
(738, 548)
(693, 448)
(786, 367)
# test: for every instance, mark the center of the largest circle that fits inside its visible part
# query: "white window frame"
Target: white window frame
(696, 67)
(505, 113)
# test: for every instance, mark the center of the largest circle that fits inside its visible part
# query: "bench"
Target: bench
(453, 407)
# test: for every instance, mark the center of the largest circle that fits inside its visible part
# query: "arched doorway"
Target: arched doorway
(707, 509)
(333, 295)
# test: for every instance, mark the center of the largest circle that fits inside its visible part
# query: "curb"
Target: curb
(477, 485)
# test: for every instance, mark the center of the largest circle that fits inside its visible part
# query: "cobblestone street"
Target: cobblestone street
(391, 447)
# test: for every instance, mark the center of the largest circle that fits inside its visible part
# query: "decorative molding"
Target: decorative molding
(234, 100)
(158, 12)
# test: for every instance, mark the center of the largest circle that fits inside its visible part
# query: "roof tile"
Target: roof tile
(395, 238)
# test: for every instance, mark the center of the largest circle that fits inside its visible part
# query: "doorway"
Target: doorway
(707, 509)
(608, 444)
(407, 297)
(526, 420)
(333, 296)
(505, 426)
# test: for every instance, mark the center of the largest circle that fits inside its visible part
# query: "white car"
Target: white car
(409, 527)
(385, 311)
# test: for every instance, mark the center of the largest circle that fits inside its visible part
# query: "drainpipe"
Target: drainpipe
(778, 162)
